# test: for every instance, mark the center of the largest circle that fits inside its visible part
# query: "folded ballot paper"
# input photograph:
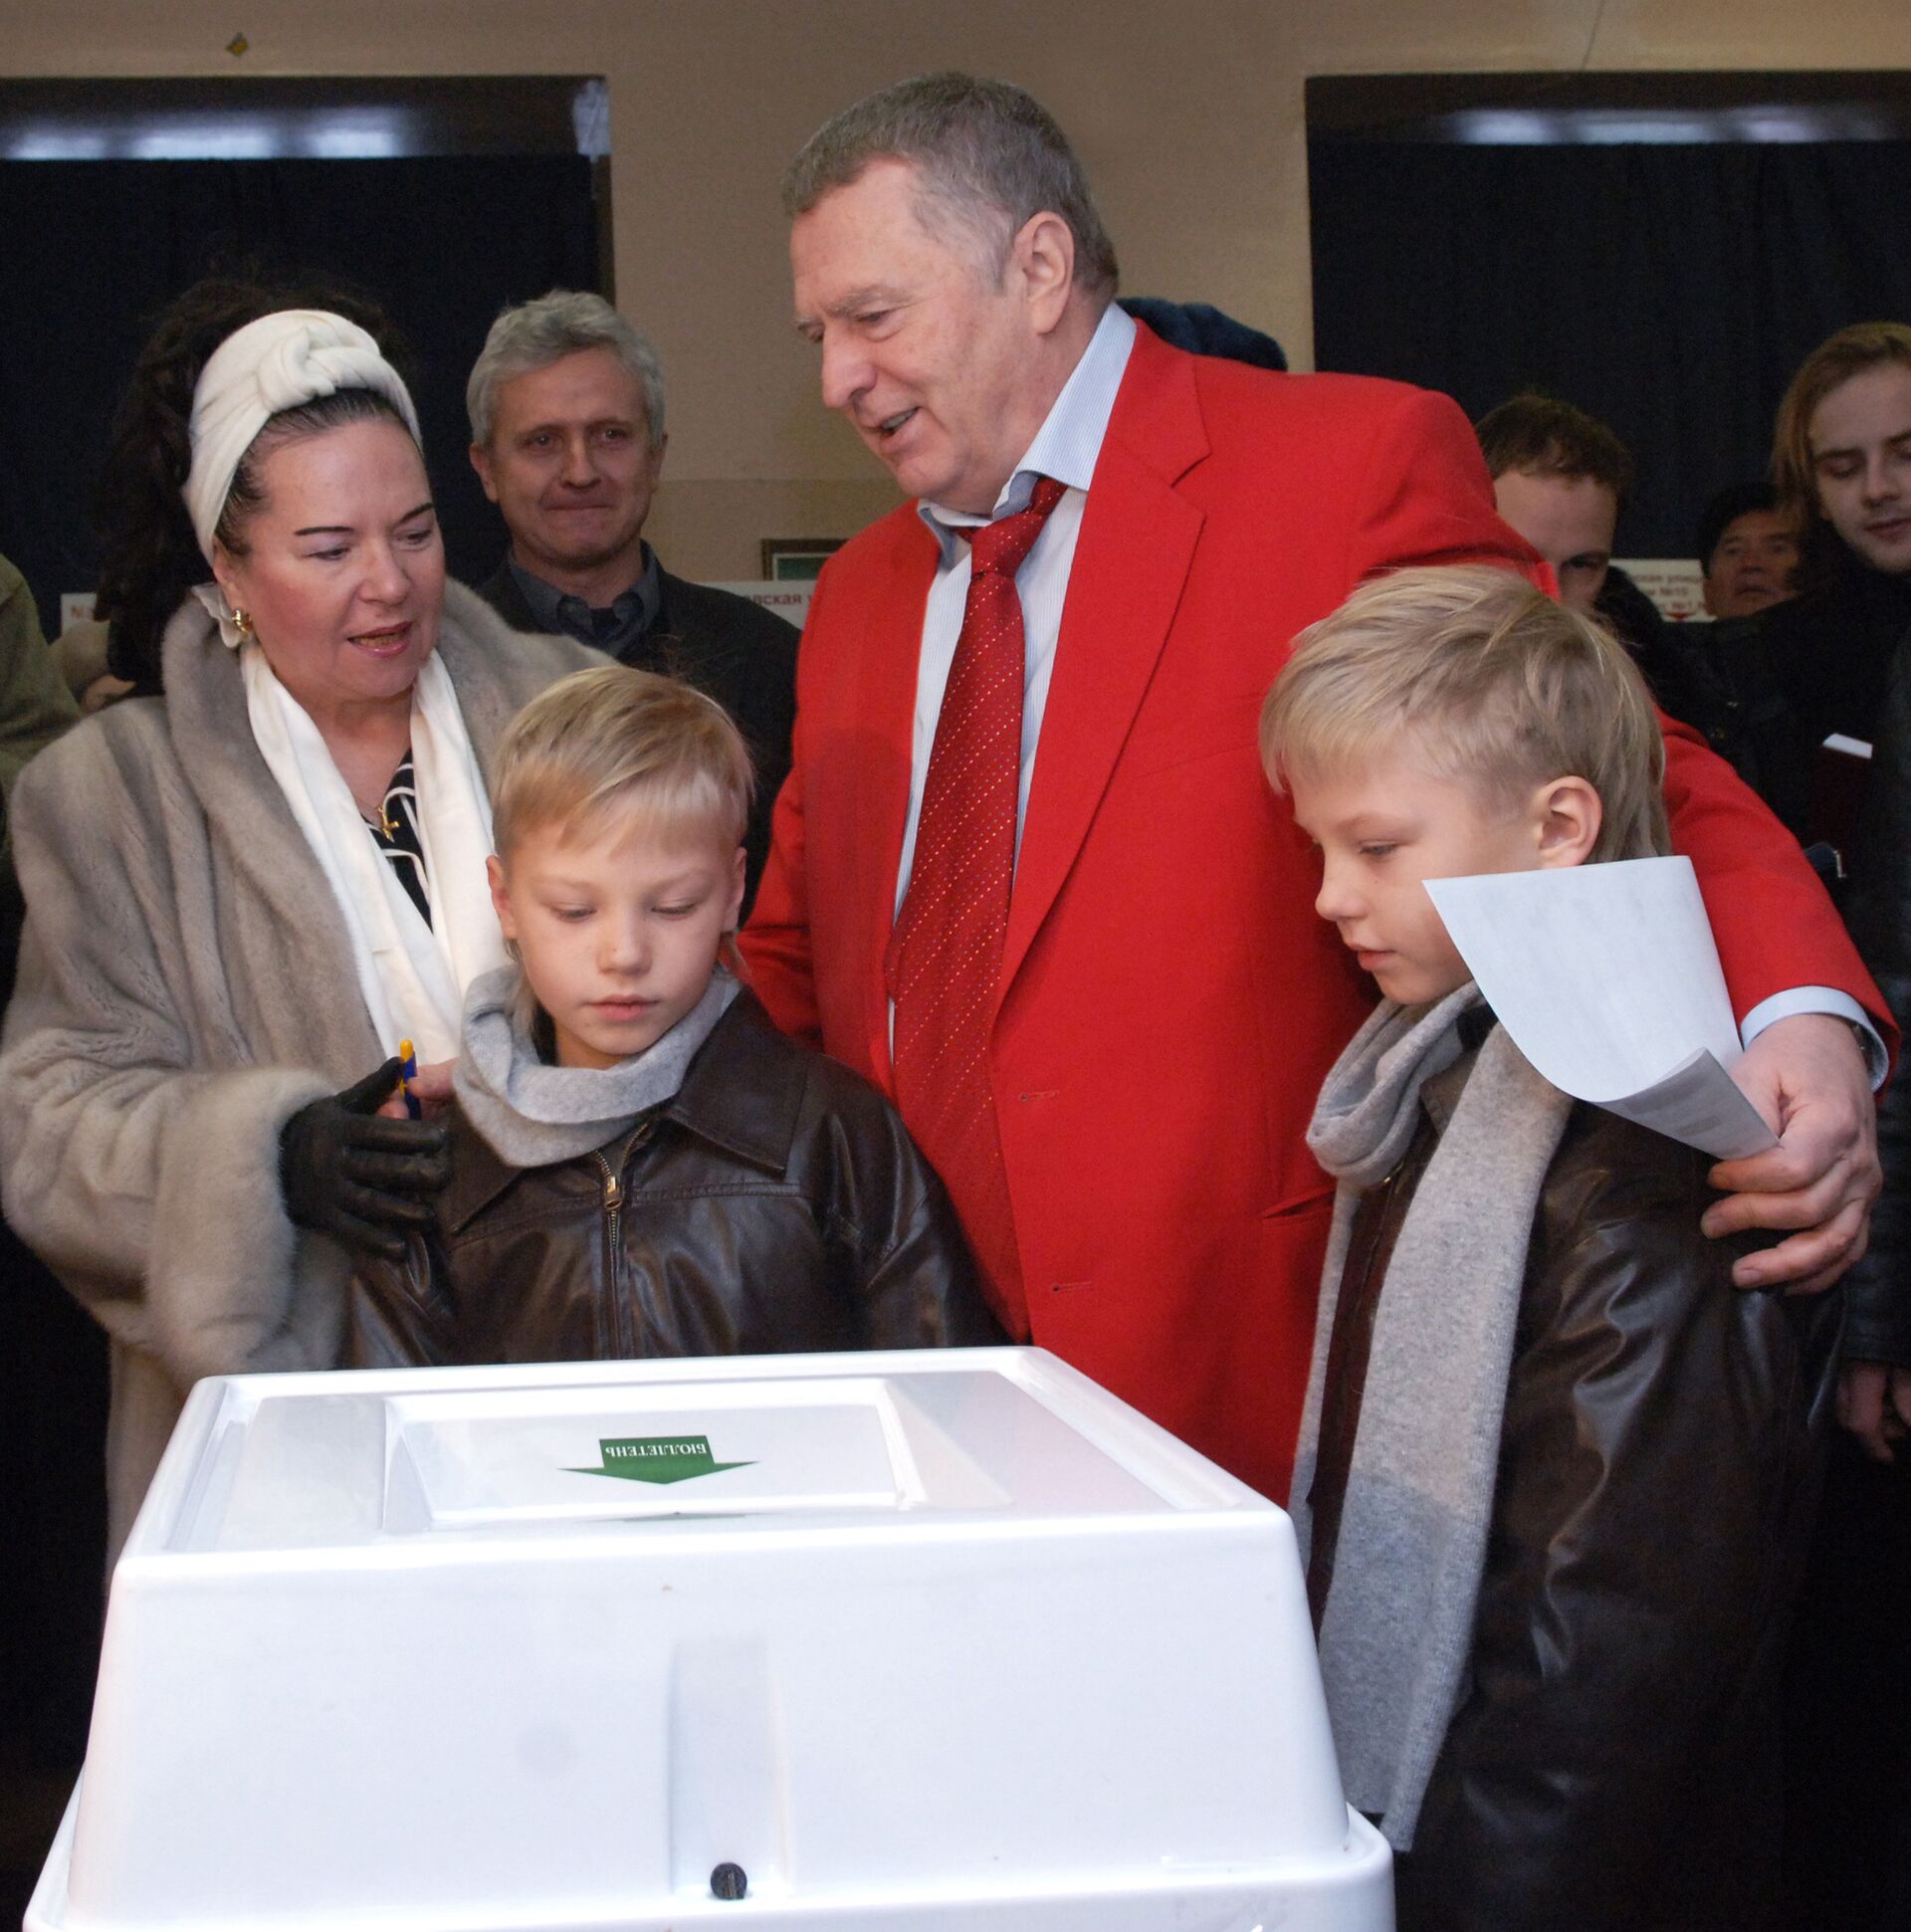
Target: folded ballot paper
(1609, 982)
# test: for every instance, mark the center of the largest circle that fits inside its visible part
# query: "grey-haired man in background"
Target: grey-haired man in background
(566, 406)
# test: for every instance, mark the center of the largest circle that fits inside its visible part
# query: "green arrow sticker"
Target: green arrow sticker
(656, 1458)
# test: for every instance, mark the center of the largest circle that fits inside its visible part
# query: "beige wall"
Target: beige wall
(1187, 113)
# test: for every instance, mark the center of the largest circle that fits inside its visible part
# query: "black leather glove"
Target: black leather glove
(365, 1179)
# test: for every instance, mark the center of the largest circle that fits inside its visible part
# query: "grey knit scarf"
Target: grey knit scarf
(533, 1115)
(1397, 1624)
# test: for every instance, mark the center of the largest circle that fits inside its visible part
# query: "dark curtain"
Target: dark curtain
(91, 250)
(1669, 290)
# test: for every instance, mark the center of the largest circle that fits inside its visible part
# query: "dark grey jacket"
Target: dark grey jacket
(734, 651)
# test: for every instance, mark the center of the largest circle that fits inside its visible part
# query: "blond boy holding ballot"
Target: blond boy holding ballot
(1556, 1474)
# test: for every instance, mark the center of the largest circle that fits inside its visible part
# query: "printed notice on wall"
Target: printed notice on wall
(1675, 583)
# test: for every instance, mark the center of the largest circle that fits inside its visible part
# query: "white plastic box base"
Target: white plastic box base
(1357, 1898)
(942, 1643)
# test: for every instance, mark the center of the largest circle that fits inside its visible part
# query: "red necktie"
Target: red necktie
(946, 952)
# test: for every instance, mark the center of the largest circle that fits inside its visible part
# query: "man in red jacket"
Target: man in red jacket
(1047, 670)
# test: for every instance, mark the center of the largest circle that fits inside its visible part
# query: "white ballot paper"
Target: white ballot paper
(1609, 982)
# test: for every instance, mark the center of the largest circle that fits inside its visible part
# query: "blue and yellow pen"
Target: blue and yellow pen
(407, 1073)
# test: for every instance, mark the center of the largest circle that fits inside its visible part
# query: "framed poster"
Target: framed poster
(796, 559)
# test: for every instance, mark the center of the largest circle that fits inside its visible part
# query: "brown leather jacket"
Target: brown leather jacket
(776, 1204)
(1612, 1766)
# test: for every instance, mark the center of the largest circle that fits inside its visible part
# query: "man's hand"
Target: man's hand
(1807, 1076)
(1875, 1403)
(430, 1087)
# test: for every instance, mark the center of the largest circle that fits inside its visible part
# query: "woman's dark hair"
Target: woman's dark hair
(152, 557)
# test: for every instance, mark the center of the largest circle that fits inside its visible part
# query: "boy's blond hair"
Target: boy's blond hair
(1489, 683)
(614, 736)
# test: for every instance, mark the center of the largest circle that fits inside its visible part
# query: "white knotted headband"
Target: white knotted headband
(278, 362)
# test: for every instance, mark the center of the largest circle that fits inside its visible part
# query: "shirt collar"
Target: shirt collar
(1069, 442)
(547, 601)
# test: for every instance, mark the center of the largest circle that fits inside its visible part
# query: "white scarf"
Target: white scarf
(411, 975)
(533, 1115)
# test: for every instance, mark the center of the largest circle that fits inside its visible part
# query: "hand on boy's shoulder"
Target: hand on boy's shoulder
(1807, 1076)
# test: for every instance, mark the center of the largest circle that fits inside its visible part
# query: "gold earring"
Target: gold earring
(243, 620)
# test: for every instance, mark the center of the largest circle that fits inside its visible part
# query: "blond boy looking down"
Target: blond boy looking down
(1556, 1474)
(641, 1165)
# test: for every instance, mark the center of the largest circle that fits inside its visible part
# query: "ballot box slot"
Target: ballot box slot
(457, 1463)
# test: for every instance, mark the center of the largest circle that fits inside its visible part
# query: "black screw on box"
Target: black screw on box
(729, 1881)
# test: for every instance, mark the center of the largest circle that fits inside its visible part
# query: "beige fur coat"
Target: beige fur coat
(185, 986)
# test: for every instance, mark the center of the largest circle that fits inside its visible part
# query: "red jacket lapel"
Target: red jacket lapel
(1132, 557)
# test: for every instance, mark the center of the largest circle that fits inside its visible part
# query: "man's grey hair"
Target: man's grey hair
(535, 335)
(989, 157)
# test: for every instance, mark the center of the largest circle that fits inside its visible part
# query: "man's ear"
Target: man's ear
(1043, 255)
(481, 462)
(657, 450)
(501, 897)
(1566, 815)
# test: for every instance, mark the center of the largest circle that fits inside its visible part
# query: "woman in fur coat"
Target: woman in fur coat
(246, 883)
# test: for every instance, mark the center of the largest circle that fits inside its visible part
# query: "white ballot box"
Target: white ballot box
(926, 1642)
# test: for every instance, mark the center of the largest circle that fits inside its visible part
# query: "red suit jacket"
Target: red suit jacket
(1169, 1000)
